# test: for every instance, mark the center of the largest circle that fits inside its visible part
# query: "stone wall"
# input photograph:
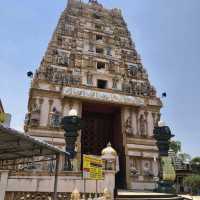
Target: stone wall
(28, 183)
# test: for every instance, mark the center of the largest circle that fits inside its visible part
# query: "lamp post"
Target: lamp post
(71, 124)
(162, 134)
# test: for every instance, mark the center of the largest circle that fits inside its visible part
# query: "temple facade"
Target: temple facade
(91, 65)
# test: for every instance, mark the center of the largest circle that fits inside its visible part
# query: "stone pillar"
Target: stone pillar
(128, 177)
(110, 181)
(79, 109)
(50, 101)
(147, 123)
(155, 166)
(137, 123)
(3, 183)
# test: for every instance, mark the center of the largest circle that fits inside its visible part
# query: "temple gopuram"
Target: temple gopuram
(92, 65)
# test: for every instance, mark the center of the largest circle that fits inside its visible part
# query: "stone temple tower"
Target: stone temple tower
(91, 65)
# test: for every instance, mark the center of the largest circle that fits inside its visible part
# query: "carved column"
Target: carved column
(79, 139)
(62, 106)
(40, 103)
(50, 108)
(137, 122)
(146, 118)
(158, 118)
(40, 107)
(3, 183)
(33, 103)
(128, 178)
(154, 118)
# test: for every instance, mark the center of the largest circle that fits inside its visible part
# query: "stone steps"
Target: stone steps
(150, 198)
(132, 195)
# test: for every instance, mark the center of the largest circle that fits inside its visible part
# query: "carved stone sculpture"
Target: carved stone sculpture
(55, 118)
(89, 78)
(115, 82)
(147, 169)
(128, 126)
(142, 126)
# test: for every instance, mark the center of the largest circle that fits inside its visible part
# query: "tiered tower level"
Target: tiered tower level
(91, 65)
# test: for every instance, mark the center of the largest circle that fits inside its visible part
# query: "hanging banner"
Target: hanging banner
(92, 167)
(169, 173)
(2, 117)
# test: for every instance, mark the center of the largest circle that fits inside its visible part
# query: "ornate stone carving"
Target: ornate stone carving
(115, 82)
(126, 87)
(62, 59)
(54, 75)
(143, 127)
(154, 118)
(147, 168)
(102, 96)
(89, 78)
(133, 168)
(134, 171)
(55, 118)
(73, 47)
(128, 127)
(34, 116)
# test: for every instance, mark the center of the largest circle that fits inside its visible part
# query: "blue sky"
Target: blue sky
(166, 33)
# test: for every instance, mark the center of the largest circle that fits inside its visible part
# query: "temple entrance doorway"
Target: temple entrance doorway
(102, 124)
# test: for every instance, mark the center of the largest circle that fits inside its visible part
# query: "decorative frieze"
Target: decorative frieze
(102, 96)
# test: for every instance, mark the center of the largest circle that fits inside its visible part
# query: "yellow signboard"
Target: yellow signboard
(92, 167)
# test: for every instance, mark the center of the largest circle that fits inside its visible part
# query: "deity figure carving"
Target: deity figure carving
(35, 107)
(152, 91)
(112, 66)
(115, 82)
(33, 118)
(49, 73)
(133, 87)
(55, 118)
(142, 126)
(58, 76)
(126, 86)
(128, 127)
(89, 78)
(138, 89)
(147, 169)
(62, 59)
(145, 75)
(132, 70)
(144, 88)
(134, 171)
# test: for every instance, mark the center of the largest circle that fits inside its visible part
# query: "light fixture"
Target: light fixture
(73, 112)
(161, 124)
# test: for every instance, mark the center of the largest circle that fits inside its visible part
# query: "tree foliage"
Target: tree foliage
(195, 160)
(184, 157)
(175, 146)
(193, 182)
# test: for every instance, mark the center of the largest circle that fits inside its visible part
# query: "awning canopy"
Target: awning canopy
(16, 145)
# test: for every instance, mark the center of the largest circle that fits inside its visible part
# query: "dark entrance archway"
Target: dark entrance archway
(103, 125)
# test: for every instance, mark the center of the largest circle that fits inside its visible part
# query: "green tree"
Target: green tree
(193, 182)
(195, 163)
(195, 160)
(175, 146)
(184, 157)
